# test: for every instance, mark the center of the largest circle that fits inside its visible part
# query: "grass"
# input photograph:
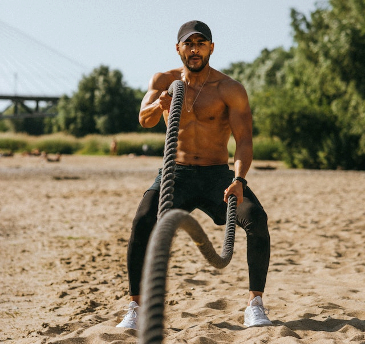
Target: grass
(130, 143)
(263, 148)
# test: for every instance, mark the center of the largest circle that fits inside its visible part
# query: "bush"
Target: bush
(4, 127)
(55, 146)
(13, 144)
(263, 148)
(151, 144)
(131, 143)
(149, 147)
(93, 146)
(267, 149)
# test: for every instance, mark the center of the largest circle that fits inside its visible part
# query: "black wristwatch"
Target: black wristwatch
(242, 180)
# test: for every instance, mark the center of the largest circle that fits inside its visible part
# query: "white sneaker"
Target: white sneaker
(255, 314)
(130, 319)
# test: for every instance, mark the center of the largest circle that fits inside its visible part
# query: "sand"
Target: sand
(64, 231)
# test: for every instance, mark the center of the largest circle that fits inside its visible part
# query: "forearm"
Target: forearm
(243, 159)
(242, 163)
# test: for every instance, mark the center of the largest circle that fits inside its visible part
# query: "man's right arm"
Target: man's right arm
(155, 101)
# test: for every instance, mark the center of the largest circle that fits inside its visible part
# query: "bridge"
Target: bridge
(33, 76)
(18, 103)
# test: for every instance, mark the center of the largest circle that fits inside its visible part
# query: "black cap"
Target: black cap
(191, 27)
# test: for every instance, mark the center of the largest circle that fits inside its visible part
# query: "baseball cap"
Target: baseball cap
(191, 27)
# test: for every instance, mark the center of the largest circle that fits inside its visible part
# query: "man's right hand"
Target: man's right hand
(164, 101)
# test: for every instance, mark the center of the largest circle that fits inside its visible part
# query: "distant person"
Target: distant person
(35, 152)
(56, 158)
(145, 149)
(215, 106)
(7, 154)
(113, 147)
(46, 157)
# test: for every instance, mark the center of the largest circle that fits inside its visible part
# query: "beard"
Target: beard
(185, 61)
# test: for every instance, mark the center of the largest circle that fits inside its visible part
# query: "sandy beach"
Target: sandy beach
(64, 230)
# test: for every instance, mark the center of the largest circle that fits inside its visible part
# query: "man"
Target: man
(215, 106)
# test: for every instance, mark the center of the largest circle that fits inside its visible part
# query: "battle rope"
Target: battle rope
(177, 91)
(158, 251)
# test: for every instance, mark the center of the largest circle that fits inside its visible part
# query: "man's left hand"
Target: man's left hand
(236, 188)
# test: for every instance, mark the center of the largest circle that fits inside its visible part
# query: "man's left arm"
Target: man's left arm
(240, 120)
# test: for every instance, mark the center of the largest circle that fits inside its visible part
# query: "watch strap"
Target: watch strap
(240, 179)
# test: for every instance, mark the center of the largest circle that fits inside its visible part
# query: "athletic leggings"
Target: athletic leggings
(202, 187)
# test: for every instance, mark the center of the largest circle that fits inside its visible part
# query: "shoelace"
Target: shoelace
(258, 310)
(131, 310)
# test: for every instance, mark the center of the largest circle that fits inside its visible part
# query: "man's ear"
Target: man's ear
(211, 48)
(177, 48)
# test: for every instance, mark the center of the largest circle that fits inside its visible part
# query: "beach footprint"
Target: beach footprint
(220, 304)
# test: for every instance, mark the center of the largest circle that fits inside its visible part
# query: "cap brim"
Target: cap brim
(185, 37)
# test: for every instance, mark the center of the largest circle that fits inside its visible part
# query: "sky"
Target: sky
(134, 36)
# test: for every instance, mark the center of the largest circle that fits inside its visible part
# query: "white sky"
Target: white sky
(138, 37)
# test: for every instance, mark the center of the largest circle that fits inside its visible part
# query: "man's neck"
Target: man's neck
(195, 78)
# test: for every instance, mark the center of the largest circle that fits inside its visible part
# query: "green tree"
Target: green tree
(103, 104)
(266, 70)
(313, 96)
(263, 73)
(302, 126)
(330, 53)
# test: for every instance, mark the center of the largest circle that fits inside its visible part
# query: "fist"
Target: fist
(165, 100)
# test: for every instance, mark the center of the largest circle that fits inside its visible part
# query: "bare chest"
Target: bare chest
(204, 106)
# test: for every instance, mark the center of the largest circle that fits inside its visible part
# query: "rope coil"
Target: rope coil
(158, 251)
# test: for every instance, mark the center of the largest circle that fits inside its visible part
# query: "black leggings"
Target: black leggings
(250, 216)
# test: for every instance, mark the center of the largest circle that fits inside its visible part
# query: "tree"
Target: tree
(313, 97)
(326, 69)
(263, 73)
(302, 127)
(266, 70)
(103, 104)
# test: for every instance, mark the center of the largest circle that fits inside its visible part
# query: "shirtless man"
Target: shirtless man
(215, 106)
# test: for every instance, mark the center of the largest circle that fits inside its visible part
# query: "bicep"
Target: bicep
(240, 117)
(155, 87)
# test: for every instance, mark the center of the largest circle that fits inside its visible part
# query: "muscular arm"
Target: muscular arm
(155, 101)
(241, 123)
(240, 120)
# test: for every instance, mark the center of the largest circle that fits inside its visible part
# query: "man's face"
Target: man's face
(195, 52)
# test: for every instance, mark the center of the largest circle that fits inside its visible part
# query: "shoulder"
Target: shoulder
(231, 92)
(162, 80)
(229, 87)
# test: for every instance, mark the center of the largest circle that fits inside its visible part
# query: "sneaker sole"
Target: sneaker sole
(258, 325)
